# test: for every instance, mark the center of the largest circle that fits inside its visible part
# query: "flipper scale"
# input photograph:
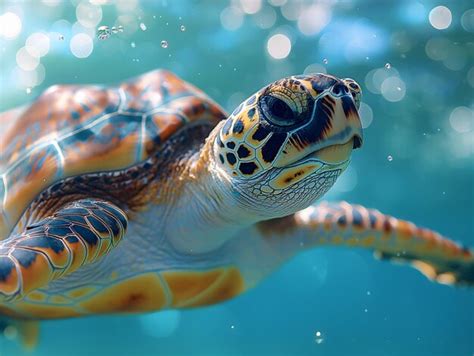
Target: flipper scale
(58, 245)
(392, 239)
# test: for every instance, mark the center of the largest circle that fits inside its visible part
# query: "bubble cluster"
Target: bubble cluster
(104, 32)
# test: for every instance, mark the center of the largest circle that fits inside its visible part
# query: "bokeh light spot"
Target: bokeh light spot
(438, 48)
(315, 68)
(393, 89)
(440, 17)
(161, 324)
(366, 115)
(462, 119)
(314, 19)
(88, 15)
(25, 60)
(265, 18)
(279, 46)
(231, 18)
(251, 6)
(467, 20)
(470, 77)
(347, 181)
(37, 44)
(81, 45)
(10, 25)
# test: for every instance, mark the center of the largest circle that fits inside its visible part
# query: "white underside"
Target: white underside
(147, 248)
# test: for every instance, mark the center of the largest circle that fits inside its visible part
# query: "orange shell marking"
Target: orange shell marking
(192, 289)
(147, 292)
(139, 294)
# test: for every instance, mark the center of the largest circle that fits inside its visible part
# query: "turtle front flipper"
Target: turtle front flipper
(77, 234)
(343, 224)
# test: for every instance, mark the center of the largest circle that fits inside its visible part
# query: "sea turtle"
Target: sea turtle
(146, 195)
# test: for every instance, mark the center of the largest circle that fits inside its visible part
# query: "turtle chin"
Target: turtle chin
(272, 196)
(283, 191)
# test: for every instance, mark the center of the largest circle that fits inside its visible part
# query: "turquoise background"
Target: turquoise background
(360, 306)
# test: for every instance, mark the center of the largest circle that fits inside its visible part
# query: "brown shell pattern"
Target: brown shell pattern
(75, 129)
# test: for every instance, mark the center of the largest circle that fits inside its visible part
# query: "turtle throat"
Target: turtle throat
(207, 212)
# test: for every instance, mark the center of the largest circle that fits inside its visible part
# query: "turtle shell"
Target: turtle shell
(76, 129)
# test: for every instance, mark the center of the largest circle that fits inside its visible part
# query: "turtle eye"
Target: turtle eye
(277, 111)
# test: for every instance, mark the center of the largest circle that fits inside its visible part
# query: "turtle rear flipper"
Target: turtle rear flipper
(75, 235)
(443, 271)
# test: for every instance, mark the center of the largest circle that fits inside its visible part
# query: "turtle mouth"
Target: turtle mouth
(332, 155)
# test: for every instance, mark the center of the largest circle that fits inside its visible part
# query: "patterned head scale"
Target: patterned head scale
(291, 129)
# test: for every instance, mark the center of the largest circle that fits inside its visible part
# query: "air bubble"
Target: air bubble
(28, 90)
(325, 61)
(143, 26)
(103, 32)
(133, 45)
(117, 29)
(318, 337)
(388, 65)
(389, 158)
(164, 44)
(182, 28)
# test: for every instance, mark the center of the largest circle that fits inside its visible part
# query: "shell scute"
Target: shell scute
(36, 171)
(72, 130)
(106, 145)
(61, 108)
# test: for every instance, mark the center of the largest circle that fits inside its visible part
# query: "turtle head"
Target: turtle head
(287, 144)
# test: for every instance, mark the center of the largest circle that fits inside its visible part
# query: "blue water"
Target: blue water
(416, 163)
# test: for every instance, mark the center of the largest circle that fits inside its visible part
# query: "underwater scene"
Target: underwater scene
(236, 275)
